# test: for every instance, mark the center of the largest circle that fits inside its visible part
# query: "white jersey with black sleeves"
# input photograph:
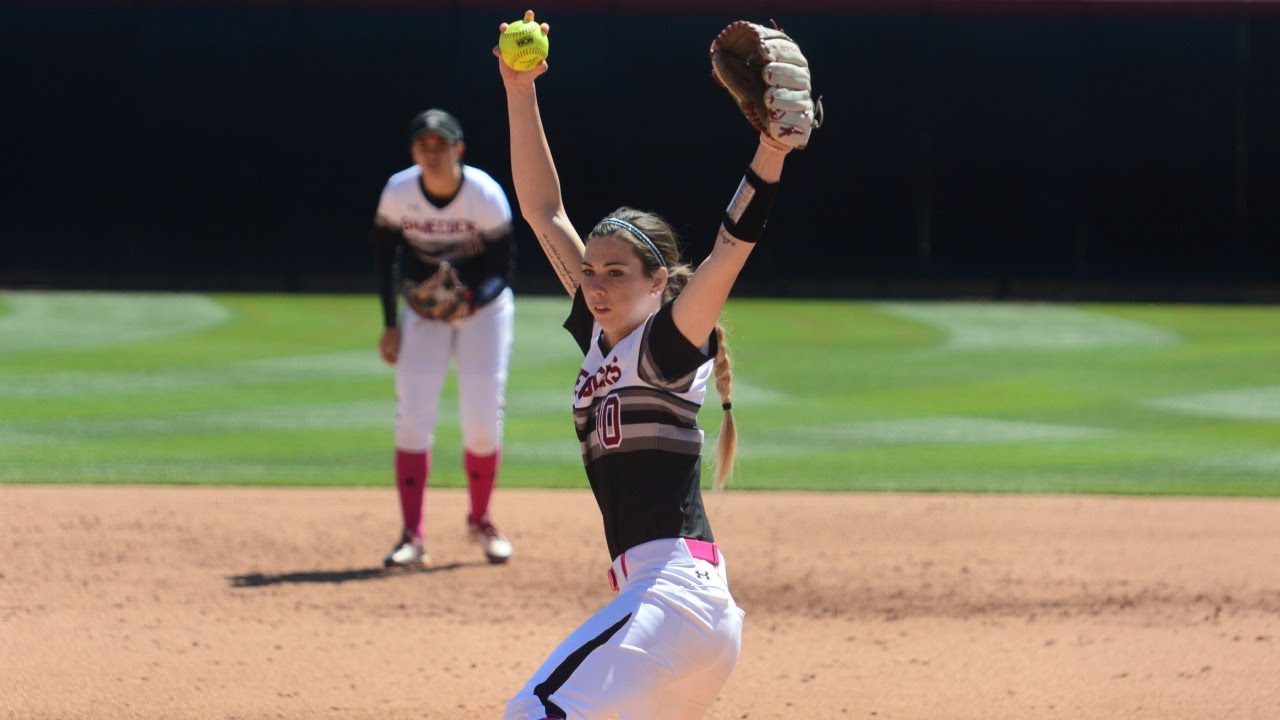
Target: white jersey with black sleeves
(635, 408)
(454, 229)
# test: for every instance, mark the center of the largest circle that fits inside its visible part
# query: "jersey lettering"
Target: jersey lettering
(437, 226)
(605, 375)
(609, 421)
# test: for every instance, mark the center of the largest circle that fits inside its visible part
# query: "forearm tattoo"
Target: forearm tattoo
(558, 264)
(726, 238)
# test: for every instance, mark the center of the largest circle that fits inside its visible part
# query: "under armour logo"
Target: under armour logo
(702, 574)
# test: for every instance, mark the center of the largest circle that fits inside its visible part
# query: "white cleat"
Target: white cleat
(497, 548)
(411, 552)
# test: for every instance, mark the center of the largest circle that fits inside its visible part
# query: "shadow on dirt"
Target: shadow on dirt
(253, 580)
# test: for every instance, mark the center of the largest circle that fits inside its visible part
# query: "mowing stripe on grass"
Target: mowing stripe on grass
(349, 363)
(910, 431)
(22, 435)
(353, 415)
(59, 320)
(364, 414)
(1259, 403)
(974, 326)
(286, 419)
(923, 396)
(555, 451)
(79, 384)
(292, 369)
(1267, 463)
(170, 470)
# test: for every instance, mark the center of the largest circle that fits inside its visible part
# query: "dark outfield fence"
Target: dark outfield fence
(1030, 148)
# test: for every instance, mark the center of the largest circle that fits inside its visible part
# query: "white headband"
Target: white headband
(638, 233)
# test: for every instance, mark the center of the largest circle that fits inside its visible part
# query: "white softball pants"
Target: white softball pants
(662, 650)
(482, 345)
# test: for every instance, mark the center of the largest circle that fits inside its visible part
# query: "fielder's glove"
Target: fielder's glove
(768, 77)
(443, 296)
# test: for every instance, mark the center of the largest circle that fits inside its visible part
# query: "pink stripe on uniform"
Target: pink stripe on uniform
(703, 550)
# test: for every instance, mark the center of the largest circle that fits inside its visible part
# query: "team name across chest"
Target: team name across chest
(437, 226)
(608, 374)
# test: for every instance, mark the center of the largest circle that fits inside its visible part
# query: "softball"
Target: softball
(523, 45)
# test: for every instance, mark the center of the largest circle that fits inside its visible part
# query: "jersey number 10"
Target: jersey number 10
(609, 421)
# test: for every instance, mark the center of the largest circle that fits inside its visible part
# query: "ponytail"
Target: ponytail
(727, 438)
(722, 368)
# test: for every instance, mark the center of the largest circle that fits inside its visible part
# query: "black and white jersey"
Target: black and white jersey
(636, 412)
(472, 229)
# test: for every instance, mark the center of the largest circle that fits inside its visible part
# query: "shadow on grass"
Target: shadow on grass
(253, 580)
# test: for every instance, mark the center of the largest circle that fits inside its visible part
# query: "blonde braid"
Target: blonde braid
(727, 438)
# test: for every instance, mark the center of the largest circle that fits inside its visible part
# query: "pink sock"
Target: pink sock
(412, 469)
(482, 474)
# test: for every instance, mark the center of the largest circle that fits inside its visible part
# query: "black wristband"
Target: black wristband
(748, 212)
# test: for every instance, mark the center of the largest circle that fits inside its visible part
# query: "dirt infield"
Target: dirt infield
(270, 603)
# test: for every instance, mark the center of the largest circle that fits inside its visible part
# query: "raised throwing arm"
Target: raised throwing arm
(537, 184)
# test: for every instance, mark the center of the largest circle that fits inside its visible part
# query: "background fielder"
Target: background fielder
(442, 237)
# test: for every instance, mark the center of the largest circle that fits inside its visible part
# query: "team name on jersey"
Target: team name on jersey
(604, 376)
(437, 226)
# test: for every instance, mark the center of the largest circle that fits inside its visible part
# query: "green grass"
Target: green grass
(829, 395)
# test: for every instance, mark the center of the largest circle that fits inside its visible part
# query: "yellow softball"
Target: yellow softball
(523, 45)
